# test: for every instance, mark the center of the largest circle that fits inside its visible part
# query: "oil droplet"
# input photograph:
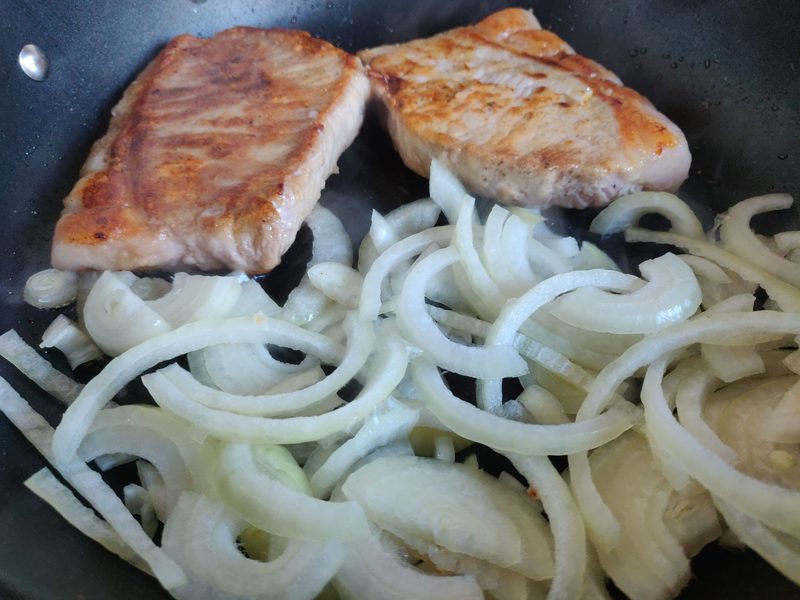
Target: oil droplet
(293, 20)
(666, 56)
(783, 156)
(681, 58)
(642, 50)
(329, 5)
(774, 108)
(673, 65)
(633, 52)
(707, 63)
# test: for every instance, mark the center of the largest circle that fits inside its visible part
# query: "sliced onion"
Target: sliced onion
(196, 297)
(51, 288)
(47, 487)
(91, 486)
(412, 498)
(202, 536)
(737, 237)
(150, 288)
(627, 210)
(252, 300)
(510, 436)
(14, 349)
(374, 570)
(378, 430)
(418, 327)
(72, 341)
(338, 282)
(274, 507)
(116, 318)
(191, 337)
(671, 295)
(388, 371)
(446, 190)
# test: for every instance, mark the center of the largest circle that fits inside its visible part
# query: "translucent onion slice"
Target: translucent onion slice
(497, 583)
(446, 190)
(361, 342)
(626, 211)
(370, 304)
(14, 349)
(378, 430)
(412, 498)
(116, 318)
(72, 341)
(566, 524)
(338, 282)
(202, 536)
(417, 326)
(785, 294)
(380, 236)
(331, 243)
(150, 288)
(51, 288)
(737, 236)
(91, 486)
(491, 430)
(138, 501)
(47, 487)
(254, 299)
(778, 549)
(255, 330)
(275, 508)
(373, 569)
(670, 296)
(504, 242)
(196, 297)
(388, 370)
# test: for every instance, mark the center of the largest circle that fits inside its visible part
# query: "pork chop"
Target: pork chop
(520, 118)
(215, 154)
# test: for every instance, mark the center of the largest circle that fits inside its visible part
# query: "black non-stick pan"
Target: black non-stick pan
(727, 72)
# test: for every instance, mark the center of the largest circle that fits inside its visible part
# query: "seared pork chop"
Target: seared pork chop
(520, 118)
(215, 154)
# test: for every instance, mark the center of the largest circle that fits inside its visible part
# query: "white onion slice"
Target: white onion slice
(510, 436)
(51, 288)
(340, 283)
(116, 318)
(360, 344)
(627, 210)
(14, 349)
(446, 190)
(388, 371)
(418, 327)
(188, 338)
(412, 498)
(91, 486)
(378, 430)
(47, 487)
(275, 508)
(671, 295)
(196, 297)
(374, 570)
(202, 535)
(72, 341)
(254, 299)
(737, 236)
(565, 521)
(785, 294)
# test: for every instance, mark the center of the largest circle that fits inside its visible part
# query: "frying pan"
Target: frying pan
(727, 72)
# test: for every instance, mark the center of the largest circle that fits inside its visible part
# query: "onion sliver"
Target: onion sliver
(779, 550)
(373, 570)
(413, 498)
(116, 318)
(14, 349)
(510, 436)
(45, 485)
(73, 342)
(253, 330)
(737, 236)
(626, 211)
(360, 344)
(370, 304)
(91, 486)
(671, 295)
(565, 522)
(388, 371)
(275, 508)
(202, 535)
(785, 294)
(339, 282)
(419, 328)
(51, 288)
(197, 297)
(378, 430)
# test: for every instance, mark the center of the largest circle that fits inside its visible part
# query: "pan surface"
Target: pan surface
(727, 72)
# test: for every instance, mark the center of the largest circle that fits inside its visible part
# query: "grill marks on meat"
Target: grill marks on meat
(215, 154)
(522, 119)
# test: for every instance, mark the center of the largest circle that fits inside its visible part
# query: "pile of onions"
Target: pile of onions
(335, 475)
